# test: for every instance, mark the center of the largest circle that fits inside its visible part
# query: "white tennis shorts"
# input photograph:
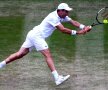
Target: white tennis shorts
(35, 39)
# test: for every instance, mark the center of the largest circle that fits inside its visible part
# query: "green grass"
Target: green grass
(106, 40)
(80, 56)
(11, 28)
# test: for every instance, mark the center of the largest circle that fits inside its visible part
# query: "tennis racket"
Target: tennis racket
(101, 17)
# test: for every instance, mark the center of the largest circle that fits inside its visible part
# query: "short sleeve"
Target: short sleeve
(67, 18)
(54, 21)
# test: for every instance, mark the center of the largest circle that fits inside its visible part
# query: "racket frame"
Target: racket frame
(98, 22)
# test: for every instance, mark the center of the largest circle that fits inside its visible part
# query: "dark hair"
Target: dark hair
(58, 10)
(62, 10)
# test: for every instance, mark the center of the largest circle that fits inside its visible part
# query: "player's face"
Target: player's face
(64, 13)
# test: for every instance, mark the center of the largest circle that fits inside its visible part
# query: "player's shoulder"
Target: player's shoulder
(53, 14)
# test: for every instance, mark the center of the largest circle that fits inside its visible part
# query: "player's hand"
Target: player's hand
(87, 28)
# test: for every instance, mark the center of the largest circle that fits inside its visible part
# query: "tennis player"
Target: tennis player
(36, 38)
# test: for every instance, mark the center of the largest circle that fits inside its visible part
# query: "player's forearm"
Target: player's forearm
(77, 24)
(72, 32)
(66, 31)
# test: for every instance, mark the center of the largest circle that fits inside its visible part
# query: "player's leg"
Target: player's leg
(48, 59)
(22, 52)
(41, 45)
(58, 78)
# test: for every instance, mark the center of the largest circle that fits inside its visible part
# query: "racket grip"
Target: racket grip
(91, 26)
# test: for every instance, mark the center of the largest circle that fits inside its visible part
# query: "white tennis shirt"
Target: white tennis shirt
(48, 25)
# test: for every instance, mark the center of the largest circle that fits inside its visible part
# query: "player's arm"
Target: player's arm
(77, 24)
(72, 32)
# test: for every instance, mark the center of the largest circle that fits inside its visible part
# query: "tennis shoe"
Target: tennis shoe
(61, 79)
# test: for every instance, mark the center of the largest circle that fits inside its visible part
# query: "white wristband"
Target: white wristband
(73, 32)
(81, 26)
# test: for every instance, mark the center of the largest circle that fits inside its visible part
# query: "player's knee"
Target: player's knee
(46, 53)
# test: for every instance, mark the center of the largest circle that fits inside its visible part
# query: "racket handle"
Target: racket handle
(93, 24)
(90, 26)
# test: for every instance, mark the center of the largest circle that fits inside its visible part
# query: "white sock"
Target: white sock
(2, 64)
(55, 74)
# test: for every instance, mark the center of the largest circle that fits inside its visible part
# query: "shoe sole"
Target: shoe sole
(66, 78)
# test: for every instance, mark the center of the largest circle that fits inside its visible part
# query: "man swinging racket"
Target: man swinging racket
(36, 38)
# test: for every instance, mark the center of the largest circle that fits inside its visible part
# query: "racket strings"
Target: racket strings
(104, 14)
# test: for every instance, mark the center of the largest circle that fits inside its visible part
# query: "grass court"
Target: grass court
(84, 57)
